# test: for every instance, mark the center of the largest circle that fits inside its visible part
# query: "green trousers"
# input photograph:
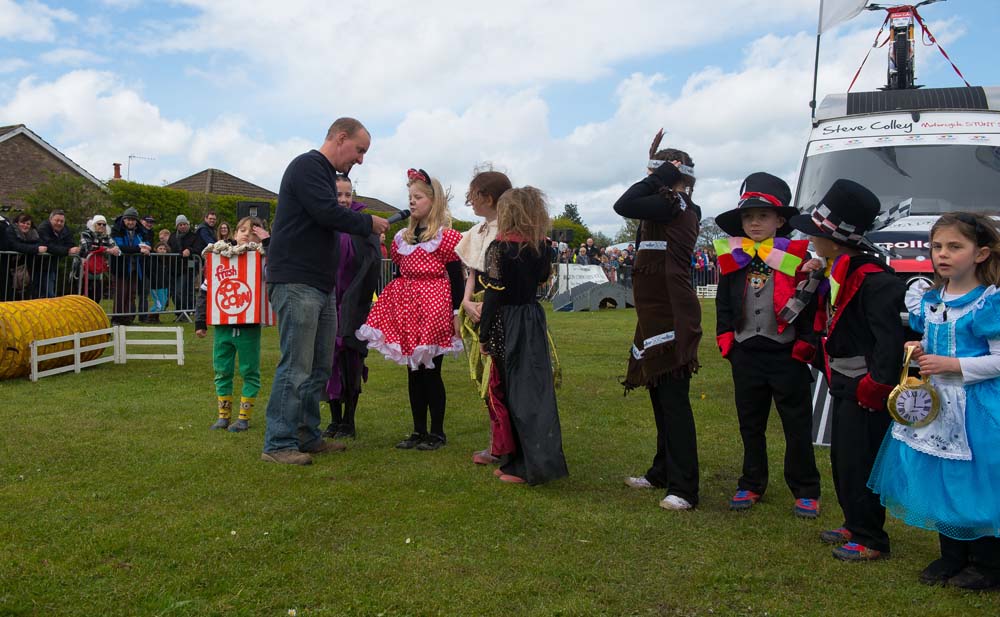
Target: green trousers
(228, 343)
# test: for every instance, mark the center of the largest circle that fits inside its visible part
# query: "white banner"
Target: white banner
(835, 12)
(571, 275)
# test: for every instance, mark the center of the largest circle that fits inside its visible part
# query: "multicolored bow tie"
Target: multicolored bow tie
(735, 253)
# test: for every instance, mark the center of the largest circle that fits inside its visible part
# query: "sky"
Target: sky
(562, 95)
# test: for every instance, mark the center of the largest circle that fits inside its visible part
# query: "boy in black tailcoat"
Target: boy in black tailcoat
(860, 305)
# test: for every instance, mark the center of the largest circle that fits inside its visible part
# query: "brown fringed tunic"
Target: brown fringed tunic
(669, 315)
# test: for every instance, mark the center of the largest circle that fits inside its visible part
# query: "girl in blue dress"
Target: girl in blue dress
(945, 476)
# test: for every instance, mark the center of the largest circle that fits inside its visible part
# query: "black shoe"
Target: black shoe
(975, 579)
(413, 441)
(346, 431)
(939, 571)
(433, 441)
(331, 430)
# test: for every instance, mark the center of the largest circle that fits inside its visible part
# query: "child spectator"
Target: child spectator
(160, 277)
(945, 476)
(228, 342)
(415, 320)
(769, 356)
(515, 336)
(863, 352)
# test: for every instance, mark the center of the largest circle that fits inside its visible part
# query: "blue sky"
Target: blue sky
(566, 98)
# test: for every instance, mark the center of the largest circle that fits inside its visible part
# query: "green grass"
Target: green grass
(116, 499)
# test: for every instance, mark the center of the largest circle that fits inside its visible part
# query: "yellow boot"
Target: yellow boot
(243, 423)
(225, 412)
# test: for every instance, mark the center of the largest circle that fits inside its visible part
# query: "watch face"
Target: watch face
(914, 406)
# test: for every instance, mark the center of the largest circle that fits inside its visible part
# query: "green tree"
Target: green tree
(601, 239)
(578, 233)
(74, 194)
(626, 233)
(572, 212)
(709, 232)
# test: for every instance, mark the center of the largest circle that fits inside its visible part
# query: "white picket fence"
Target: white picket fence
(119, 344)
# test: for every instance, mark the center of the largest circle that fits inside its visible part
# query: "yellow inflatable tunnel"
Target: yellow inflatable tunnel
(33, 320)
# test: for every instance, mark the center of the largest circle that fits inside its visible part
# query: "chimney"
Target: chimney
(118, 171)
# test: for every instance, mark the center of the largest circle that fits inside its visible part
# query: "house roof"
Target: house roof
(218, 182)
(376, 205)
(9, 132)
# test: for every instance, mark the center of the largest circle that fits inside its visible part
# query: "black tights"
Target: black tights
(427, 392)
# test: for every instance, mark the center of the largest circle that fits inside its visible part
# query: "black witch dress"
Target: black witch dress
(514, 333)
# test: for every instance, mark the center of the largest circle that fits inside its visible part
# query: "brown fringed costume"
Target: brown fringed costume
(669, 316)
(664, 353)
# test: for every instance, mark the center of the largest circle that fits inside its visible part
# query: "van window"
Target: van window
(939, 178)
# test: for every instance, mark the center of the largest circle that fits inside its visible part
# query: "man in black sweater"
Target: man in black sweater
(54, 234)
(302, 264)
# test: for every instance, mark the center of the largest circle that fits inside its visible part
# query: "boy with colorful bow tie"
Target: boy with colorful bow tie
(768, 353)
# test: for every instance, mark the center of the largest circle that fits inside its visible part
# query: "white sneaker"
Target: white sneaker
(673, 502)
(638, 482)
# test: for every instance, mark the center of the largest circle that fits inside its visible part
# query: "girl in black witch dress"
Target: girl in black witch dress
(513, 333)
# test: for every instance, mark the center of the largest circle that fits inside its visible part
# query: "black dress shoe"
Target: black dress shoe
(939, 571)
(975, 579)
(414, 440)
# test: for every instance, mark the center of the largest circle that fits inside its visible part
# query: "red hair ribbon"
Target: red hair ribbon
(771, 199)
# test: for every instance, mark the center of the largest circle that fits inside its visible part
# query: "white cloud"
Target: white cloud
(94, 118)
(460, 109)
(387, 59)
(12, 65)
(30, 21)
(226, 145)
(70, 56)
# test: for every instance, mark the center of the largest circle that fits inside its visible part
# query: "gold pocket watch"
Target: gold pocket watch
(914, 402)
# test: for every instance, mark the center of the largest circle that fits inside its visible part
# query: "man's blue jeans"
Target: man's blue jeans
(307, 328)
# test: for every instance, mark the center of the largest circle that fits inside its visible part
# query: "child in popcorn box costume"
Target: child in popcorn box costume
(859, 309)
(769, 354)
(230, 341)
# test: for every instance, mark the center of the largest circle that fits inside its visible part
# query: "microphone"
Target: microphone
(402, 215)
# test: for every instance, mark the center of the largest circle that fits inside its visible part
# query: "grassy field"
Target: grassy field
(116, 499)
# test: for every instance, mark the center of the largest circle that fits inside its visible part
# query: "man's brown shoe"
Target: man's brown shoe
(286, 457)
(326, 447)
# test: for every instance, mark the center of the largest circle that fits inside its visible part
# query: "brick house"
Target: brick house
(25, 162)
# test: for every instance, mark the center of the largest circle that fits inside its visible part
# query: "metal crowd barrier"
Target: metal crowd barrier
(26, 277)
(127, 287)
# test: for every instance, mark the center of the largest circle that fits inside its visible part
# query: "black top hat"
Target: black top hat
(759, 190)
(844, 215)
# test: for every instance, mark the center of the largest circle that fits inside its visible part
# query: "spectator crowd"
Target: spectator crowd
(139, 269)
(617, 262)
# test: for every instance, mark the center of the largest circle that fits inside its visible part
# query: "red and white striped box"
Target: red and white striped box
(236, 291)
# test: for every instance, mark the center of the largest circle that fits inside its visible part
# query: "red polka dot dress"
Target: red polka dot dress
(411, 322)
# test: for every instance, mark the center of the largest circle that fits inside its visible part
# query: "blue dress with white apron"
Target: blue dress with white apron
(945, 476)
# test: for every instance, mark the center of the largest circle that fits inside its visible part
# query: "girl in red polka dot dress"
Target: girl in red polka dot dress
(413, 323)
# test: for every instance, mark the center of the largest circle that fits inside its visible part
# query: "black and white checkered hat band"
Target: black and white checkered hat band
(839, 230)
